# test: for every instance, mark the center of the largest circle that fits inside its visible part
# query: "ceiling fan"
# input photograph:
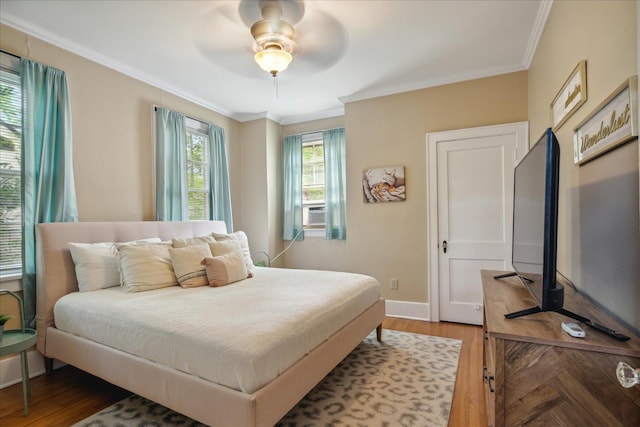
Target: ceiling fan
(275, 33)
(274, 39)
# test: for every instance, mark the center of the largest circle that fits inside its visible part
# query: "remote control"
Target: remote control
(573, 329)
(615, 334)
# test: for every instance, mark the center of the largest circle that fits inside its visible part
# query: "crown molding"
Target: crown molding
(77, 49)
(536, 34)
(454, 78)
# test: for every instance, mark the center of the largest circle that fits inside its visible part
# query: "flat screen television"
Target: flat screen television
(535, 231)
(535, 223)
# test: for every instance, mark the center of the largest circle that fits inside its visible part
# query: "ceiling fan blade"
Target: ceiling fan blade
(321, 42)
(225, 41)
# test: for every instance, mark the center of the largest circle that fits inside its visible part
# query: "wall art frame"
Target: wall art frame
(570, 97)
(612, 123)
(384, 184)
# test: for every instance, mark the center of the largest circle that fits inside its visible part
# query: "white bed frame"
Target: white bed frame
(202, 400)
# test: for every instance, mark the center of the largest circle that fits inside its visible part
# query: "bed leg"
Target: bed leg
(48, 366)
(379, 333)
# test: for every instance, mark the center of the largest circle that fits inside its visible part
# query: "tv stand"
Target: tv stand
(537, 309)
(511, 274)
(590, 323)
(535, 373)
(524, 312)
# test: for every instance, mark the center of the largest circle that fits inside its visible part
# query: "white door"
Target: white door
(473, 174)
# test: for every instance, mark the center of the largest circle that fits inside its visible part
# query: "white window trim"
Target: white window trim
(314, 232)
(11, 279)
(309, 139)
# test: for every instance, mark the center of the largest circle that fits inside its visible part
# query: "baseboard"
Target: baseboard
(11, 368)
(407, 310)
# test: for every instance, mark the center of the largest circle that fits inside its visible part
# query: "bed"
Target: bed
(261, 397)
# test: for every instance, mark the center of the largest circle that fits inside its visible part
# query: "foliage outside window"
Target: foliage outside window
(313, 172)
(198, 174)
(10, 171)
(313, 181)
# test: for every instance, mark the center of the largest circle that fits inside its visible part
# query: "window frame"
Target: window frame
(193, 126)
(312, 139)
(11, 275)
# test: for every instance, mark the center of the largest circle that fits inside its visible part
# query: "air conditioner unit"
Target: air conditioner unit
(316, 215)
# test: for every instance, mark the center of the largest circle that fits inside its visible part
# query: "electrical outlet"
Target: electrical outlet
(394, 284)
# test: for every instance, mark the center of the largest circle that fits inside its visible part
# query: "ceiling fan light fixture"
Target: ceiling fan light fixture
(273, 59)
(274, 40)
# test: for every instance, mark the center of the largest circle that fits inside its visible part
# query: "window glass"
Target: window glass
(198, 174)
(313, 172)
(313, 184)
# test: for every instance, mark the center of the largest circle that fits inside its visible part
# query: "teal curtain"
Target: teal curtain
(171, 166)
(219, 193)
(335, 167)
(292, 227)
(48, 187)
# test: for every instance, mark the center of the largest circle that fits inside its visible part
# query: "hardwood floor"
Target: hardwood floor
(72, 395)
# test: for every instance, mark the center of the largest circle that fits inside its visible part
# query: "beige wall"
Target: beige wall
(390, 240)
(315, 252)
(260, 186)
(599, 243)
(113, 156)
(112, 131)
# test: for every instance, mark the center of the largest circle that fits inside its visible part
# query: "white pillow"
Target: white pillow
(226, 247)
(241, 238)
(181, 243)
(186, 265)
(146, 267)
(97, 264)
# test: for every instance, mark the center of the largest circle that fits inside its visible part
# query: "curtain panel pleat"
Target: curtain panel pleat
(48, 186)
(171, 166)
(220, 194)
(292, 226)
(335, 184)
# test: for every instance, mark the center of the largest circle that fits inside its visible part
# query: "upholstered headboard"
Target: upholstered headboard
(55, 270)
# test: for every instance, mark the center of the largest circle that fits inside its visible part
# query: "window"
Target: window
(197, 170)
(313, 184)
(10, 167)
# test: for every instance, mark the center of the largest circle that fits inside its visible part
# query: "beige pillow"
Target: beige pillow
(96, 264)
(225, 269)
(226, 247)
(187, 265)
(181, 243)
(241, 238)
(145, 267)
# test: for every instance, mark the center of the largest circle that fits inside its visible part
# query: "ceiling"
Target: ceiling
(345, 50)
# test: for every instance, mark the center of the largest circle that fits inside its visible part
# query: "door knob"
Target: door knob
(444, 246)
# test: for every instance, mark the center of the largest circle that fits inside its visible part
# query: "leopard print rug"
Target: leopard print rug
(405, 380)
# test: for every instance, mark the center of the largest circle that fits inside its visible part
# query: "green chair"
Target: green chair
(19, 340)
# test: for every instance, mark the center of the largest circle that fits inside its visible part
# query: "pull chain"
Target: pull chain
(275, 84)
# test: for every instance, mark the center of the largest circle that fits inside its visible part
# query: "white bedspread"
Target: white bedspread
(241, 335)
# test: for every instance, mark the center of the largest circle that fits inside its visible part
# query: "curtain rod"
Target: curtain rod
(155, 108)
(11, 54)
(312, 132)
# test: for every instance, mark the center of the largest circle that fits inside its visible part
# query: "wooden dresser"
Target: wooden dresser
(537, 374)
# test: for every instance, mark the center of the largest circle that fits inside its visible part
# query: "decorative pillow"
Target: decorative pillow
(145, 267)
(97, 263)
(226, 247)
(225, 269)
(187, 266)
(182, 243)
(240, 237)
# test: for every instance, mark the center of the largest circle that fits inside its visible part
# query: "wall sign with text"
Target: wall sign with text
(570, 97)
(612, 123)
